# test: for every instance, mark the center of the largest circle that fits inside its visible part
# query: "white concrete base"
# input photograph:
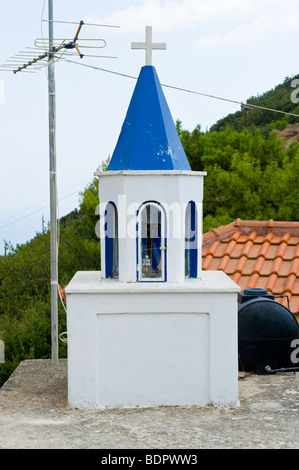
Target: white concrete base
(152, 344)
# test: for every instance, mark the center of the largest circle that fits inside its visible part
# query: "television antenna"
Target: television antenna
(28, 62)
(46, 47)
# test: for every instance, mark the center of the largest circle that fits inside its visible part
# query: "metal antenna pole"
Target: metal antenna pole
(52, 53)
(53, 190)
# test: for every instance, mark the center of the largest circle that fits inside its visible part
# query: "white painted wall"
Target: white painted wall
(149, 359)
(134, 344)
(173, 189)
(152, 343)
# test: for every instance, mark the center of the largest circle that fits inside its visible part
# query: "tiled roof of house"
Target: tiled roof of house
(261, 254)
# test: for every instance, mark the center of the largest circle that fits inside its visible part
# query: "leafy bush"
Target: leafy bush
(248, 176)
(278, 98)
(28, 335)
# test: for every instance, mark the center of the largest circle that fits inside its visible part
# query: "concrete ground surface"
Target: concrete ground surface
(34, 414)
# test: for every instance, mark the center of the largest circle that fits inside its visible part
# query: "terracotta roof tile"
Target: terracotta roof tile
(232, 266)
(282, 249)
(271, 282)
(293, 241)
(206, 262)
(224, 262)
(290, 253)
(241, 264)
(249, 267)
(220, 251)
(276, 265)
(262, 254)
(259, 266)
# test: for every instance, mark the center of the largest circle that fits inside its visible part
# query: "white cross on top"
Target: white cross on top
(148, 45)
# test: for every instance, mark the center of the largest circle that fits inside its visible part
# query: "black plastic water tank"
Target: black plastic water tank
(266, 330)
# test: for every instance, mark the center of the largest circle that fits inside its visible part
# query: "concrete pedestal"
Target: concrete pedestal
(152, 344)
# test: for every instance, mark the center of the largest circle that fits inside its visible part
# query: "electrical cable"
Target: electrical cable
(185, 89)
(135, 78)
(44, 200)
(34, 212)
(86, 24)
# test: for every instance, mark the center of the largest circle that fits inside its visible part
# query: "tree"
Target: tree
(248, 175)
(278, 98)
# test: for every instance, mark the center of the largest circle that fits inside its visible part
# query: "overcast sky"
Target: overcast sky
(230, 48)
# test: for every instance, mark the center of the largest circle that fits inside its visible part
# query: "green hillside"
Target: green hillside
(278, 98)
(251, 174)
(25, 307)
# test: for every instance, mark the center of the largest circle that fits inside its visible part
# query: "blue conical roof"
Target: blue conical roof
(148, 139)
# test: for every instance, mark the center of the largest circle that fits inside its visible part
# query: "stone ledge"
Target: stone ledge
(34, 415)
(91, 282)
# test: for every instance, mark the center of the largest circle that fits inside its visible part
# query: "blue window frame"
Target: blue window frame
(151, 242)
(111, 241)
(191, 240)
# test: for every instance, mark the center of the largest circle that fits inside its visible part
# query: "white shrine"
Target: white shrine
(151, 328)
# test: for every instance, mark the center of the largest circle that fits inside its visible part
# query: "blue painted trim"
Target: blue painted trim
(193, 251)
(137, 250)
(144, 204)
(148, 139)
(110, 242)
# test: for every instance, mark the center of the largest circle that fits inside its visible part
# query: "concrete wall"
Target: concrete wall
(128, 190)
(151, 345)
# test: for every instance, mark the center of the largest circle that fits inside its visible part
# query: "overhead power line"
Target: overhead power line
(34, 212)
(13, 216)
(50, 50)
(87, 24)
(241, 103)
